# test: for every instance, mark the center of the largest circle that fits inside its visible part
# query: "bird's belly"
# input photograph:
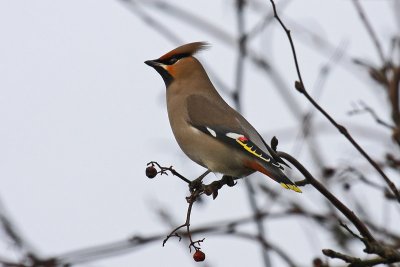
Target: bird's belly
(214, 155)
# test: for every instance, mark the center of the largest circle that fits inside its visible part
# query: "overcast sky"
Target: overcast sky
(81, 115)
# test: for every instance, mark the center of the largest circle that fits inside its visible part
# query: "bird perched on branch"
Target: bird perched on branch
(207, 129)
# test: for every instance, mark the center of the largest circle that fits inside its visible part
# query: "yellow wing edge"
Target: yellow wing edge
(291, 187)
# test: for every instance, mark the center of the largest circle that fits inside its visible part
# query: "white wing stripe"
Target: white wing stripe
(234, 135)
(212, 132)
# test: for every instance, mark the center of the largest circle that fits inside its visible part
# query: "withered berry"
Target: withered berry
(199, 255)
(151, 172)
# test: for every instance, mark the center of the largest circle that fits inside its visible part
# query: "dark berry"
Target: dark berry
(346, 186)
(199, 255)
(328, 172)
(151, 172)
(317, 262)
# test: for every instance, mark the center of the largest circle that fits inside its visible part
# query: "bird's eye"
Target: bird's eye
(172, 61)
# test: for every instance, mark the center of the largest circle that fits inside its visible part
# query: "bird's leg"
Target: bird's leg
(196, 183)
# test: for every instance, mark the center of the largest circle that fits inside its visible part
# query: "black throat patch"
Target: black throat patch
(168, 79)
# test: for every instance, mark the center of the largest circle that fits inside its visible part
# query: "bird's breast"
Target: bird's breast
(207, 151)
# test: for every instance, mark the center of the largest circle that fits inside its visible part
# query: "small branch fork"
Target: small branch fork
(196, 188)
(193, 244)
(364, 108)
(299, 85)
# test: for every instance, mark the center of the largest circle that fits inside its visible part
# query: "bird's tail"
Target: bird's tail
(275, 174)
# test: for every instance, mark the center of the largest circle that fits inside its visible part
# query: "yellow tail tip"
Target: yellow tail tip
(291, 187)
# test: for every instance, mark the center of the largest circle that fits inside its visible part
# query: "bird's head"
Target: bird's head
(178, 63)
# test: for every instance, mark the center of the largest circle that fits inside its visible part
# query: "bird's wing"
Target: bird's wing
(212, 112)
(218, 119)
(221, 122)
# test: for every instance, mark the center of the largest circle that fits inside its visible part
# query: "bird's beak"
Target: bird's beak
(152, 63)
(161, 69)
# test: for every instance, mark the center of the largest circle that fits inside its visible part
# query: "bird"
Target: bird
(208, 130)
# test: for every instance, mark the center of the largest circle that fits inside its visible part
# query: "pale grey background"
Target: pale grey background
(81, 115)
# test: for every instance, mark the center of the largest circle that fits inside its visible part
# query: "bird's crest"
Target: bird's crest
(185, 50)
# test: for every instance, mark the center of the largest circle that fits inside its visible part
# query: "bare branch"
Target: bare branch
(354, 262)
(371, 244)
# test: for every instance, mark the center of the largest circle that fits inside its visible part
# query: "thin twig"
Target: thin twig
(237, 97)
(15, 236)
(196, 188)
(190, 18)
(370, 31)
(365, 108)
(153, 23)
(354, 262)
(393, 93)
(127, 245)
(265, 21)
(360, 176)
(267, 246)
(345, 226)
(191, 199)
(165, 170)
(307, 128)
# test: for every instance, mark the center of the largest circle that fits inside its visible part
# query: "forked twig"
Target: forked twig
(191, 199)
(364, 108)
(196, 188)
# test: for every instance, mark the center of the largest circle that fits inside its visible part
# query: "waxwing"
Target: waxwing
(207, 129)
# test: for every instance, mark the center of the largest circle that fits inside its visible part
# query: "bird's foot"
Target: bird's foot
(197, 183)
(212, 189)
